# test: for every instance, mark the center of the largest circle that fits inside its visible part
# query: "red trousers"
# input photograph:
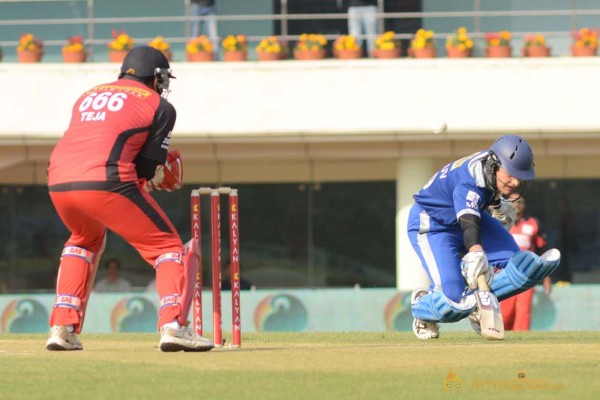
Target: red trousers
(134, 215)
(516, 311)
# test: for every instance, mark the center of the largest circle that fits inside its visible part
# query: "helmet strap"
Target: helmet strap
(162, 80)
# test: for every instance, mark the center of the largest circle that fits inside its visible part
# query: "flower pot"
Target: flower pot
(387, 53)
(309, 54)
(235, 56)
(347, 54)
(75, 57)
(30, 56)
(455, 52)
(117, 56)
(583, 51)
(266, 56)
(427, 52)
(201, 56)
(498, 51)
(536, 51)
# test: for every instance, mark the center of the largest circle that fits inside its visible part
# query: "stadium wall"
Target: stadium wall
(299, 310)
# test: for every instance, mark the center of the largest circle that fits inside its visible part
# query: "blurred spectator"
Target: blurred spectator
(151, 287)
(516, 310)
(113, 282)
(226, 279)
(362, 20)
(208, 9)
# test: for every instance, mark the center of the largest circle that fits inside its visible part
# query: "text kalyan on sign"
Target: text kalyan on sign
(215, 240)
(196, 233)
(492, 325)
(234, 249)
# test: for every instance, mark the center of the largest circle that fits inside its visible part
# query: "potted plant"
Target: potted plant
(459, 44)
(585, 43)
(310, 46)
(535, 46)
(423, 45)
(387, 46)
(119, 46)
(235, 48)
(30, 49)
(498, 44)
(270, 49)
(346, 48)
(74, 50)
(159, 44)
(199, 49)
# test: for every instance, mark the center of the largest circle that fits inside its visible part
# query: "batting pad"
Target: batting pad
(523, 271)
(436, 307)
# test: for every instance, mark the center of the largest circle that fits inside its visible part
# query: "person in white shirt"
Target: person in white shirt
(113, 282)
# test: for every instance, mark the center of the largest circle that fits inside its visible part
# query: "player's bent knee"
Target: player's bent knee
(454, 292)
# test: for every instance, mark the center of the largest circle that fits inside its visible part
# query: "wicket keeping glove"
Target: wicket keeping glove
(169, 176)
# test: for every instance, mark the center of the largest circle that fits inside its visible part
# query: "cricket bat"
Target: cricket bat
(492, 325)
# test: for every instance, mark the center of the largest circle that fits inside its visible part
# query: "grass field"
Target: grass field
(391, 365)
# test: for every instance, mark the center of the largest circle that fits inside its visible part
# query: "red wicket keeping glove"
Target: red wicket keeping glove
(169, 176)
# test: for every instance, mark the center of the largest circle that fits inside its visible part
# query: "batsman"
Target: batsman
(114, 152)
(459, 226)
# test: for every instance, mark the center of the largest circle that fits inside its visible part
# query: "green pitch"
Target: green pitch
(394, 365)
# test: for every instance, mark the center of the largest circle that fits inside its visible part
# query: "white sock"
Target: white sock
(70, 328)
(173, 325)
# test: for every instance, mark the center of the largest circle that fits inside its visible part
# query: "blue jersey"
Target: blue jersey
(457, 189)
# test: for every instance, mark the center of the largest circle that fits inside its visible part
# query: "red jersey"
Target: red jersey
(111, 125)
(527, 234)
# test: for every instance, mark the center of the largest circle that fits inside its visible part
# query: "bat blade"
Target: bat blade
(492, 325)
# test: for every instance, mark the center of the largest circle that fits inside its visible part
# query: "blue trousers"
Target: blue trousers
(441, 248)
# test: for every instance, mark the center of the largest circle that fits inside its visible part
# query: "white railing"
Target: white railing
(476, 14)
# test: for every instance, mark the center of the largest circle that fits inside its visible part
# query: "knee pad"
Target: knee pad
(436, 307)
(523, 271)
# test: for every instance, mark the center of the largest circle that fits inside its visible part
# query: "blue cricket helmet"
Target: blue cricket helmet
(514, 155)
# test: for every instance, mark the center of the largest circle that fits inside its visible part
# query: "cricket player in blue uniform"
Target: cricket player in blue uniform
(459, 228)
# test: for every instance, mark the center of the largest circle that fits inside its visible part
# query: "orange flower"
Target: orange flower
(30, 43)
(200, 44)
(387, 41)
(311, 42)
(586, 38)
(74, 45)
(121, 41)
(495, 39)
(234, 43)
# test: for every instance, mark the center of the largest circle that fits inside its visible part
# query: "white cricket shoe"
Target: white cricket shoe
(62, 339)
(475, 320)
(183, 339)
(423, 330)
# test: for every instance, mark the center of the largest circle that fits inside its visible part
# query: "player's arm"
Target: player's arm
(475, 262)
(162, 168)
(467, 203)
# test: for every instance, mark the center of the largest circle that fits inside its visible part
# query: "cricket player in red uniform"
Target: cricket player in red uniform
(114, 152)
(516, 310)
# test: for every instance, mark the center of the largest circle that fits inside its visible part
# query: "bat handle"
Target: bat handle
(482, 283)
